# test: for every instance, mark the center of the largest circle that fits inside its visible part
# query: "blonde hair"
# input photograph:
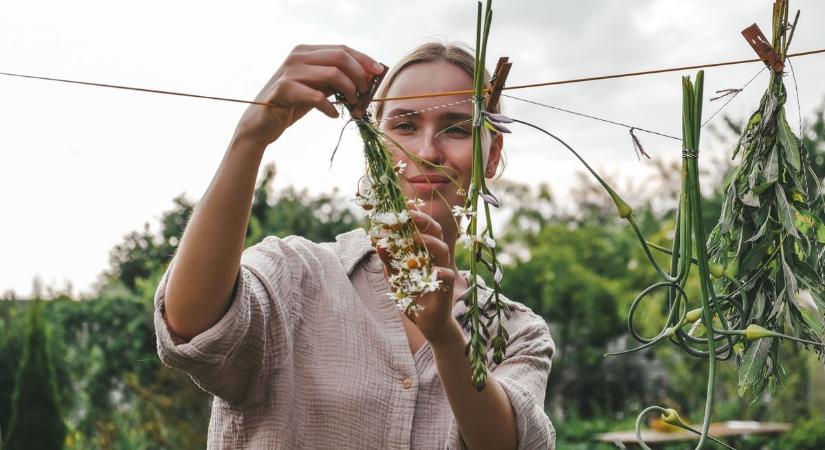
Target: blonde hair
(454, 53)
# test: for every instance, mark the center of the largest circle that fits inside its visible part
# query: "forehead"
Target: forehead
(429, 78)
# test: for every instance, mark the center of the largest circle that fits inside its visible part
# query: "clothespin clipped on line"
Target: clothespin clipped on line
(763, 48)
(499, 78)
(359, 109)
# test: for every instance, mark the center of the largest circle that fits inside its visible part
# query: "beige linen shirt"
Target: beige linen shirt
(313, 354)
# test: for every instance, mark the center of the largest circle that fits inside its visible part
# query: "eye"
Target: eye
(403, 127)
(457, 130)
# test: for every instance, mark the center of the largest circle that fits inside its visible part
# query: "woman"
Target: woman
(298, 341)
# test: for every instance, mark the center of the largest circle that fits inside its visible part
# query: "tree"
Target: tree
(11, 346)
(36, 421)
(143, 252)
(110, 339)
(318, 218)
(814, 140)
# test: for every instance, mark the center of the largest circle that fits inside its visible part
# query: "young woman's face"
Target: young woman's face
(439, 137)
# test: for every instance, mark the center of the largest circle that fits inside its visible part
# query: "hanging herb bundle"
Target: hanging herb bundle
(391, 227)
(770, 236)
(767, 246)
(481, 242)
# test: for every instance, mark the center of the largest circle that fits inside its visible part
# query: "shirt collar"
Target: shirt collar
(353, 246)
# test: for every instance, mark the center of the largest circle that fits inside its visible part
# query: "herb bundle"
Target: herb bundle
(391, 226)
(481, 242)
(770, 236)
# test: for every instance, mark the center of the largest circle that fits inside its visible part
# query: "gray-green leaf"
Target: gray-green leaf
(789, 142)
(753, 363)
(771, 171)
(786, 215)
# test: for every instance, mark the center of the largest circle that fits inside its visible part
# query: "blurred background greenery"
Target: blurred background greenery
(575, 263)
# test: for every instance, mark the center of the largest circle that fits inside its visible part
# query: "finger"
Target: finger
(366, 62)
(328, 79)
(295, 94)
(426, 224)
(447, 277)
(344, 61)
(369, 64)
(438, 249)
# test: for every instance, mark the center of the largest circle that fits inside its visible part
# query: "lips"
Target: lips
(429, 179)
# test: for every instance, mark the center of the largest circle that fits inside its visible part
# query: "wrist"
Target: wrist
(448, 336)
(247, 144)
(257, 128)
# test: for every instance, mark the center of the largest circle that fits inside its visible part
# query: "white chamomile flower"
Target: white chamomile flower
(399, 167)
(365, 202)
(431, 281)
(466, 241)
(404, 303)
(391, 219)
(461, 211)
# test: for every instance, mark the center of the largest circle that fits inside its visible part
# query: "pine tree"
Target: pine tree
(36, 422)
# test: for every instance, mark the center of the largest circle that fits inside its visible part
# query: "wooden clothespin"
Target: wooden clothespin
(499, 77)
(359, 110)
(763, 48)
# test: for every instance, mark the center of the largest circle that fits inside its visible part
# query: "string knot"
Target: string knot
(687, 153)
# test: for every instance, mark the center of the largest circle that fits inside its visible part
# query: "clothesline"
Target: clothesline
(434, 94)
(440, 94)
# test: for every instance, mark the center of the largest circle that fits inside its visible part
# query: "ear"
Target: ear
(494, 157)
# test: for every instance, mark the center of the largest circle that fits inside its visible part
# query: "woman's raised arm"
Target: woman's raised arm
(207, 263)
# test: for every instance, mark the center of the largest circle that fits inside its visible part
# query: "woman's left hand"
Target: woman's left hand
(435, 319)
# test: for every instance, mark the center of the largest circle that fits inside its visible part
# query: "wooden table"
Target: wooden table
(718, 430)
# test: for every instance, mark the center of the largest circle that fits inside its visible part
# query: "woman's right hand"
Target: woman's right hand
(308, 76)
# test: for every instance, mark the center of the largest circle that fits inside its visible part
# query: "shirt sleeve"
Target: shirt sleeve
(253, 338)
(523, 375)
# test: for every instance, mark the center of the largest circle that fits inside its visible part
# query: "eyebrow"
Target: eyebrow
(449, 115)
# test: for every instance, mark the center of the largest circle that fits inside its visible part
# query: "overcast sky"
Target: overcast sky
(80, 166)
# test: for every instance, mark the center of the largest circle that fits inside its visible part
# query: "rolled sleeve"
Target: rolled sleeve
(211, 346)
(253, 337)
(533, 427)
(523, 376)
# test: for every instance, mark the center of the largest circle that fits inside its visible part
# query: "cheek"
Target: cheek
(464, 165)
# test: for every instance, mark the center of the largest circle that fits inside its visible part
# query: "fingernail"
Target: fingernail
(378, 68)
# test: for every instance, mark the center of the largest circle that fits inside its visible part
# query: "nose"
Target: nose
(430, 146)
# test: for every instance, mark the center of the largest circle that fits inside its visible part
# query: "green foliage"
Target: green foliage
(11, 349)
(578, 434)
(36, 421)
(806, 435)
(814, 142)
(143, 253)
(116, 392)
(576, 273)
(318, 218)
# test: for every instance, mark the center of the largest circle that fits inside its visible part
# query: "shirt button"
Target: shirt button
(407, 383)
